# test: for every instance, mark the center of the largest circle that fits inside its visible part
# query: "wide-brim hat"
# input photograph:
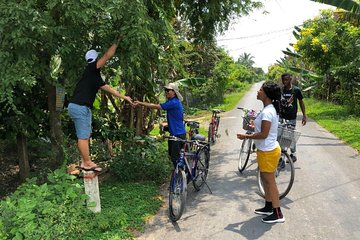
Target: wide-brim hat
(174, 87)
(91, 56)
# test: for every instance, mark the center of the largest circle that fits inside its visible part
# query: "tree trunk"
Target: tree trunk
(23, 154)
(139, 121)
(56, 133)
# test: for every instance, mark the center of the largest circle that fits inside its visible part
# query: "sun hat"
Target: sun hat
(174, 87)
(91, 56)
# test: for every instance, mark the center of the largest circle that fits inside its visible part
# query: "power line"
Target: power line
(257, 43)
(256, 35)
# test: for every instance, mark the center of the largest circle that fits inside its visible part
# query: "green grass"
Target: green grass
(336, 120)
(131, 204)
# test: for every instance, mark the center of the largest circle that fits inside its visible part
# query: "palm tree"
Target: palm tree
(246, 59)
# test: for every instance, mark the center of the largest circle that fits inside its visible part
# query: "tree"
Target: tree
(43, 42)
(246, 59)
(352, 9)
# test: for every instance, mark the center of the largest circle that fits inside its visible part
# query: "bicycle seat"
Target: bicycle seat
(192, 124)
(199, 137)
(217, 111)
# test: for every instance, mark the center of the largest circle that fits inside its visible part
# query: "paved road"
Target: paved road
(324, 202)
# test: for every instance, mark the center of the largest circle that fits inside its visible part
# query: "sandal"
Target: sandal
(94, 169)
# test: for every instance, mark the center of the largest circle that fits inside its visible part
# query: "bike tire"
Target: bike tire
(244, 154)
(217, 126)
(211, 138)
(201, 168)
(177, 194)
(284, 176)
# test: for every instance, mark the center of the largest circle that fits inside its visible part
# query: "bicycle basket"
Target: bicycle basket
(287, 137)
(246, 123)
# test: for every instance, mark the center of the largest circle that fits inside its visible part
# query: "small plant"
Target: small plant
(142, 159)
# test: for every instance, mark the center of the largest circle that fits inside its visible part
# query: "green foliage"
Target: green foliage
(52, 210)
(275, 72)
(337, 119)
(142, 159)
(208, 17)
(57, 210)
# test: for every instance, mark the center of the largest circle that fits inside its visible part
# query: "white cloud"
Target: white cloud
(265, 35)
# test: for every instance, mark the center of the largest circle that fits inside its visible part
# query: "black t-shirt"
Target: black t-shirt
(289, 102)
(89, 84)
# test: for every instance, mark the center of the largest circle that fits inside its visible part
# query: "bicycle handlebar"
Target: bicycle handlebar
(197, 142)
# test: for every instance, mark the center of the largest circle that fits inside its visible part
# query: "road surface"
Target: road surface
(324, 202)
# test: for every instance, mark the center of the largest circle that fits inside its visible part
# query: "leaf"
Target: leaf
(190, 82)
(293, 54)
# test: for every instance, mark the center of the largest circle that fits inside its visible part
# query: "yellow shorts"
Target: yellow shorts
(268, 160)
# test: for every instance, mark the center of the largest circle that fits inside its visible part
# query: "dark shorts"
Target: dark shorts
(174, 148)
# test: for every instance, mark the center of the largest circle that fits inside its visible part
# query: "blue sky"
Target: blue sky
(265, 35)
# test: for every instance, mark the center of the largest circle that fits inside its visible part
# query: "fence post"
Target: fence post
(91, 184)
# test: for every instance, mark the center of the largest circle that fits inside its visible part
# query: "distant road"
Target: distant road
(324, 202)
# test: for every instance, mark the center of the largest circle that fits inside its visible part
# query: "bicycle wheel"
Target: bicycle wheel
(177, 194)
(201, 168)
(217, 126)
(211, 138)
(284, 176)
(244, 154)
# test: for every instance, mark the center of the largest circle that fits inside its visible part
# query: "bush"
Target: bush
(55, 210)
(142, 159)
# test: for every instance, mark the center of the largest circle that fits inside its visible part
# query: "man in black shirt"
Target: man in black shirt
(83, 98)
(290, 96)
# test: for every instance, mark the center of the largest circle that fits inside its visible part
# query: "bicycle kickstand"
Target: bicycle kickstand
(206, 184)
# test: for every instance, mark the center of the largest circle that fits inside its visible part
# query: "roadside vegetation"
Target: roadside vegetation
(337, 119)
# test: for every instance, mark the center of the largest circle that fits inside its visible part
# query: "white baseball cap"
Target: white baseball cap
(91, 56)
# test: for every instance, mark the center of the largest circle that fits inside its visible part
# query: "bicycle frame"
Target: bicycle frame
(214, 126)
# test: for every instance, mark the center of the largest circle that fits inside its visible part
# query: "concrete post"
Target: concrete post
(91, 184)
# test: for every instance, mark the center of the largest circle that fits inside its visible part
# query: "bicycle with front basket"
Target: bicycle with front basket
(193, 165)
(248, 145)
(285, 171)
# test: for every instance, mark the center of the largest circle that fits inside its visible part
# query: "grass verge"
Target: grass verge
(335, 119)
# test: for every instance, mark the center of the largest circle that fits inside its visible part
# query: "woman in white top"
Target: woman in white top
(268, 149)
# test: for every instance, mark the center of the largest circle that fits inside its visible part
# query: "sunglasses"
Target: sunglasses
(168, 90)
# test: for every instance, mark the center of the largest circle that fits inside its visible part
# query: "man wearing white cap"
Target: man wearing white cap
(174, 116)
(83, 98)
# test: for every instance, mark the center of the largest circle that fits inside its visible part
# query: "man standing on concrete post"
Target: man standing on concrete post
(83, 98)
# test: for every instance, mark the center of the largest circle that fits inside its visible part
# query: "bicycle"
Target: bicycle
(214, 126)
(193, 131)
(248, 145)
(285, 170)
(192, 166)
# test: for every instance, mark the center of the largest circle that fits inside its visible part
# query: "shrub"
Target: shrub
(142, 159)
(54, 210)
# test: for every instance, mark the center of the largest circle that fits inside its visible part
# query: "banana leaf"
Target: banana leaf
(191, 82)
(293, 54)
